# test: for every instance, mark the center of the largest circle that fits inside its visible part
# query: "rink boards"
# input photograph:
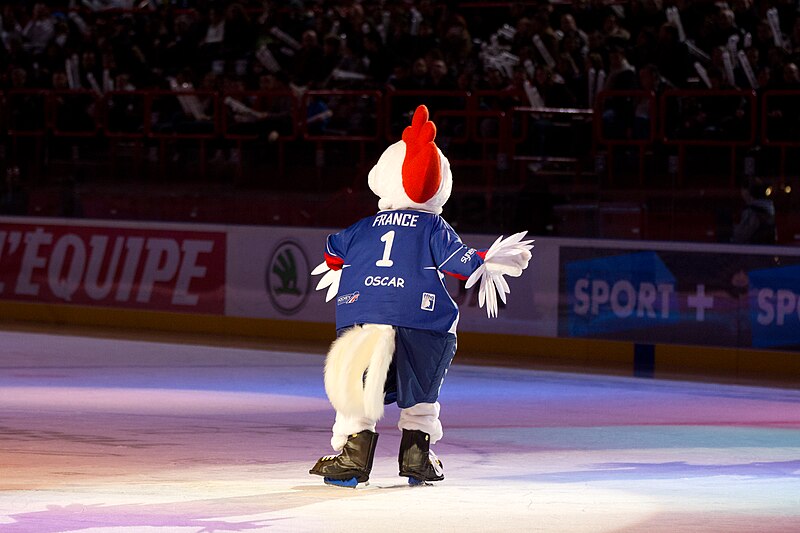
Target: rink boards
(649, 306)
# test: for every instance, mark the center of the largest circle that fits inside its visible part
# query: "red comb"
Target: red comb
(421, 167)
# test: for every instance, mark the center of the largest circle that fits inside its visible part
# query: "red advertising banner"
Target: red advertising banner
(138, 268)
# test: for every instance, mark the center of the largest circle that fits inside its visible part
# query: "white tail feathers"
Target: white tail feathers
(361, 349)
(507, 257)
(329, 280)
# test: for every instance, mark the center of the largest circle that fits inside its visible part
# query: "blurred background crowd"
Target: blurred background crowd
(546, 54)
(559, 47)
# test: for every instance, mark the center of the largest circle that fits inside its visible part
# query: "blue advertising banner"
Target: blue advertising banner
(775, 307)
(681, 297)
(620, 292)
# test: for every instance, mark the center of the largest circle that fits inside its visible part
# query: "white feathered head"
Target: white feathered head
(413, 173)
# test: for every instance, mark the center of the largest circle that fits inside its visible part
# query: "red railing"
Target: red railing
(400, 105)
(488, 161)
(627, 121)
(787, 120)
(80, 110)
(708, 137)
(329, 115)
(3, 124)
(30, 105)
(261, 112)
(27, 117)
(316, 109)
(262, 115)
(126, 118)
(132, 108)
(480, 123)
(166, 116)
(183, 114)
(556, 117)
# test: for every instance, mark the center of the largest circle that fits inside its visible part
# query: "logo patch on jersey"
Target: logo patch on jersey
(467, 256)
(428, 301)
(347, 298)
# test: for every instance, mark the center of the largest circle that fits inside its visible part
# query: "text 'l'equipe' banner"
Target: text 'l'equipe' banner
(144, 268)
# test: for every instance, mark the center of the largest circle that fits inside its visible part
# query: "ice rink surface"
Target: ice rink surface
(102, 434)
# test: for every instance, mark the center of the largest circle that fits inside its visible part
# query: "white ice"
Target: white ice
(115, 435)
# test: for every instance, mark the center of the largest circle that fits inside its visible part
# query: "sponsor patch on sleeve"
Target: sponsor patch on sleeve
(347, 298)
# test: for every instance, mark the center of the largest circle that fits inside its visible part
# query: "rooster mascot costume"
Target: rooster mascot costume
(396, 322)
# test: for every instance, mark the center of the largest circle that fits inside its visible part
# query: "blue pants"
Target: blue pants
(421, 359)
(420, 362)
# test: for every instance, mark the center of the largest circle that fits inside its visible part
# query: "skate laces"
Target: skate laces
(329, 457)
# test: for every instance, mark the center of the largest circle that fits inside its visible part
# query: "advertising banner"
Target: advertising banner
(269, 276)
(680, 293)
(532, 306)
(134, 267)
(775, 307)
(728, 296)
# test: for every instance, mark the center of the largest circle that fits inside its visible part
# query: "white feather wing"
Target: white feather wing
(505, 257)
(329, 280)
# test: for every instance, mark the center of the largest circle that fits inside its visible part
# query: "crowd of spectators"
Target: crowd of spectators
(406, 44)
(554, 54)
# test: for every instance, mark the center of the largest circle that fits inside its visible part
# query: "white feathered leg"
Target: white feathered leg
(358, 400)
(369, 349)
(422, 417)
(344, 426)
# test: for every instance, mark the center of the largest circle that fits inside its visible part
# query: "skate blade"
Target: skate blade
(347, 483)
(414, 482)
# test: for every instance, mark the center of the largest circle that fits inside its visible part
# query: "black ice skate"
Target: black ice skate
(353, 465)
(417, 462)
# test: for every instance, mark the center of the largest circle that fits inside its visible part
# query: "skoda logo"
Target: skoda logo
(288, 277)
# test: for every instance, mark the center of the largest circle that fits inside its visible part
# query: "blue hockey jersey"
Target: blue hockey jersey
(393, 266)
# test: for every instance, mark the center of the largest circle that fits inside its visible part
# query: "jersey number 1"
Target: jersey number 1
(388, 239)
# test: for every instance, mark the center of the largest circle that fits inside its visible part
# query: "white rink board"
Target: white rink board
(708, 294)
(253, 251)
